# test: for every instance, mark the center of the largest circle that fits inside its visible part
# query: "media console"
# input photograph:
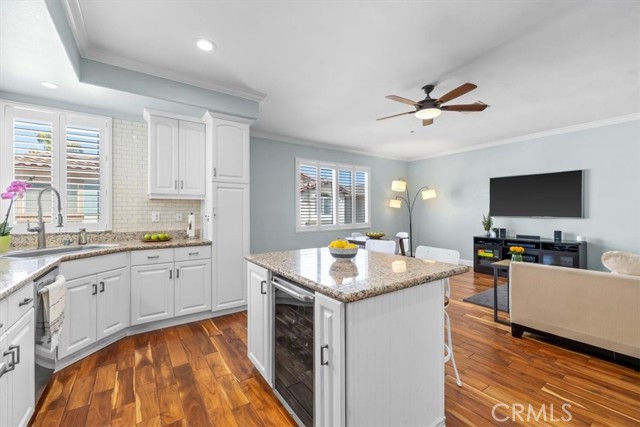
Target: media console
(487, 250)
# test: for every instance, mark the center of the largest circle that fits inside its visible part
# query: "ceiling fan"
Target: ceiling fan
(429, 108)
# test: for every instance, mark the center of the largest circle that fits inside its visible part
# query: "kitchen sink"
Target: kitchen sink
(34, 253)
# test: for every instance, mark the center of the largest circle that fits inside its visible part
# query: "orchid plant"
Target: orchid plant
(14, 191)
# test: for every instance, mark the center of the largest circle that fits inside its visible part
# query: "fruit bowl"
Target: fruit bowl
(343, 254)
(159, 237)
(376, 234)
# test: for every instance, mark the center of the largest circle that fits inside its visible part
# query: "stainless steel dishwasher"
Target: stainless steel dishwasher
(293, 348)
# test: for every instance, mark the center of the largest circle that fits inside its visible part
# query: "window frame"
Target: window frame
(336, 167)
(60, 119)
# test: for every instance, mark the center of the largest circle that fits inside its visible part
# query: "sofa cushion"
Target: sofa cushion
(622, 262)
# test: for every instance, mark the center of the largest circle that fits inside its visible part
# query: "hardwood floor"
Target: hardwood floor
(199, 375)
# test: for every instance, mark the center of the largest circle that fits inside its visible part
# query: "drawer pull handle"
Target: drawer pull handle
(95, 289)
(1, 325)
(25, 302)
(322, 349)
(153, 257)
(181, 184)
(215, 172)
(170, 274)
(101, 286)
(193, 253)
(262, 283)
(12, 365)
(175, 184)
(177, 273)
(17, 349)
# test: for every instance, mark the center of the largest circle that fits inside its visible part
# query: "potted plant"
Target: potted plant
(15, 190)
(487, 223)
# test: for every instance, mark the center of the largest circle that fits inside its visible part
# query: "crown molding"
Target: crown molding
(317, 144)
(536, 135)
(76, 22)
(210, 114)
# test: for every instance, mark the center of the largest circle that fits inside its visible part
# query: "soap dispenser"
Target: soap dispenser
(191, 230)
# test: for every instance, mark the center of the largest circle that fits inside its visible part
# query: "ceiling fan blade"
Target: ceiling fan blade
(401, 99)
(459, 91)
(464, 107)
(396, 115)
(427, 122)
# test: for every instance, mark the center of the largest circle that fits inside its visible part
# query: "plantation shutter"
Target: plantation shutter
(83, 187)
(308, 195)
(361, 197)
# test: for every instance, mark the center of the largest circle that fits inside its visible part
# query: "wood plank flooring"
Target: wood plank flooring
(199, 375)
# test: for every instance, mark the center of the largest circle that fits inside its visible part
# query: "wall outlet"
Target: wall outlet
(155, 216)
(179, 217)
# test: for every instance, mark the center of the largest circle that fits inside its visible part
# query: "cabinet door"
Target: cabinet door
(192, 286)
(192, 159)
(329, 362)
(4, 382)
(151, 293)
(79, 325)
(163, 156)
(260, 324)
(22, 379)
(113, 302)
(231, 235)
(230, 145)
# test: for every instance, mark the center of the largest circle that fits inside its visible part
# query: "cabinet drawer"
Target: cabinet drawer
(87, 266)
(20, 302)
(151, 256)
(4, 315)
(192, 252)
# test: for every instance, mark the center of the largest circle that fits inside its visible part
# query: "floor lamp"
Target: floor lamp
(401, 186)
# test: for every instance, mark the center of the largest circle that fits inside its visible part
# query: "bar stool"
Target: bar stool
(449, 256)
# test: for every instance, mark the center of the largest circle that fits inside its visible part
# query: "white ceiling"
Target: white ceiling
(326, 66)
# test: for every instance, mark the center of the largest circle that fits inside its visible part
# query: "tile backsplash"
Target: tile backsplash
(132, 208)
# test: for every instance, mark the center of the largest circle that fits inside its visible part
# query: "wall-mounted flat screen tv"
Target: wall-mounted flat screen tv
(556, 194)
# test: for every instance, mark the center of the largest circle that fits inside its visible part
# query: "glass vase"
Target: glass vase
(516, 257)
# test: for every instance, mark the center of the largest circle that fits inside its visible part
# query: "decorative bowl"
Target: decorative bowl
(376, 234)
(343, 254)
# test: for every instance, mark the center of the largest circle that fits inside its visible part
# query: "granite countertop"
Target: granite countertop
(367, 275)
(18, 272)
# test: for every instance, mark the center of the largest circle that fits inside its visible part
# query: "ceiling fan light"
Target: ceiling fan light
(428, 113)
(399, 185)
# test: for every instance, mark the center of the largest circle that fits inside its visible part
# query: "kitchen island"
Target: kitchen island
(378, 334)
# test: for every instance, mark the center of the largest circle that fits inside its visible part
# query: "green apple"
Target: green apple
(154, 237)
(147, 236)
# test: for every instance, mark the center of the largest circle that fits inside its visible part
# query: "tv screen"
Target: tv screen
(556, 194)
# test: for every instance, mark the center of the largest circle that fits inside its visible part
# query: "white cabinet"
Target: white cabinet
(259, 324)
(17, 364)
(228, 141)
(329, 362)
(176, 158)
(192, 286)
(229, 230)
(151, 293)
(165, 284)
(96, 305)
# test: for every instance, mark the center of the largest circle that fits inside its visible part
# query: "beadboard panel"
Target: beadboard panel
(404, 382)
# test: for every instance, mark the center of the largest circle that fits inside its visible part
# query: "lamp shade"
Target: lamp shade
(395, 203)
(399, 185)
(428, 194)
(428, 113)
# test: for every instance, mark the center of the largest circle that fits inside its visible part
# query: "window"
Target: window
(331, 196)
(64, 150)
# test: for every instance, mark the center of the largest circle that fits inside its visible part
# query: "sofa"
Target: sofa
(596, 310)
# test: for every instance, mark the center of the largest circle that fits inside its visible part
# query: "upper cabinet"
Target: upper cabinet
(176, 157)
(228, 139)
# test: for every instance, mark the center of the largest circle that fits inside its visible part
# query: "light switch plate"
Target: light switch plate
(155, 216)
(179, 217)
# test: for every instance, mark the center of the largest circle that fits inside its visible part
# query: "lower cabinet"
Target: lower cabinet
(96, 305)
(17, 372)
(329, 362)
(151, 293)
(192, 286)
(259, 324)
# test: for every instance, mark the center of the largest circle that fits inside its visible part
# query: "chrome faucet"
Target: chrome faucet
(42, 238)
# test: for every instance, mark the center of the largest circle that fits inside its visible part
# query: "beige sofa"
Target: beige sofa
(599, 309)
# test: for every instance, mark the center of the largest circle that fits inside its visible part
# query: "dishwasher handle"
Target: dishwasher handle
(292, 290)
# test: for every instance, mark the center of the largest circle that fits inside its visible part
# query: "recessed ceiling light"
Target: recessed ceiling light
(49, 85)
(206, 45)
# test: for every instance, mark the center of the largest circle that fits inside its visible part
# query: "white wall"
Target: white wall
(610, 155)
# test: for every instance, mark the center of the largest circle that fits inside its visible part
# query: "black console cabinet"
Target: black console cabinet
(487, 250)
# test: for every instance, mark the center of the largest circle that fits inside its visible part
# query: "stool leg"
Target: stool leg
(450, 345)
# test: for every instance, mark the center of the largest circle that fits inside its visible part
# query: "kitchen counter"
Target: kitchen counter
(369, 274)
(17, 272)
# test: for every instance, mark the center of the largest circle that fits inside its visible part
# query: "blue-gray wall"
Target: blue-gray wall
(610, 155)
(273, 203)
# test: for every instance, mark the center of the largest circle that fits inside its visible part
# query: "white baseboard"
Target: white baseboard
(466, 262)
